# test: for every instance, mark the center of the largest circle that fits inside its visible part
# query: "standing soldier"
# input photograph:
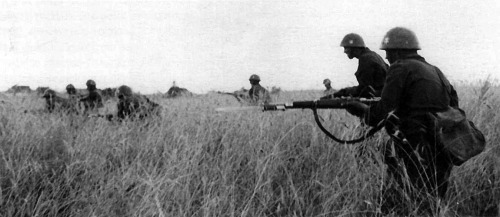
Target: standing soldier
(371, 69)
(93, 100)
(258, 94)
(329, 90)
(414, 91)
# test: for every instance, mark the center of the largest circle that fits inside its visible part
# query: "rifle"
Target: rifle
(335, 103)
(237, 96)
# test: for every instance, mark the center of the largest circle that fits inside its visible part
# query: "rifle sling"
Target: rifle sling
(370, 133)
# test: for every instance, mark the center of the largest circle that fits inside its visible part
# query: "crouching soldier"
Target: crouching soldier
(57, 103)
(134, 106)
(93, 100)
(258, 94)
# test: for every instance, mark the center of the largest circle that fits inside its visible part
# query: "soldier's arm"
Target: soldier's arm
(391, 95)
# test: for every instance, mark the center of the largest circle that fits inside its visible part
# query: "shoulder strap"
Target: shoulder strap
(448, 90)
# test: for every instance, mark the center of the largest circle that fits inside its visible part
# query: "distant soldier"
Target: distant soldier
(73, 96)
(371, 69)
(329, 90)
(71, 90)
(93, 100)
(258, 94)
(55, 102)
(134, 106)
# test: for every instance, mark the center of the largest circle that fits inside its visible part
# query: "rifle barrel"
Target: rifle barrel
(239, 108)
(337, 103)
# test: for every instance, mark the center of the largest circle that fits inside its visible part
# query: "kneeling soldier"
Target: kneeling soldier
(132, 106)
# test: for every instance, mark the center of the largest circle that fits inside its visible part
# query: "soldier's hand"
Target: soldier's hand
(357, 108)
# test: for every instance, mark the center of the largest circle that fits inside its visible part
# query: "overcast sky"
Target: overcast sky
(217, 45)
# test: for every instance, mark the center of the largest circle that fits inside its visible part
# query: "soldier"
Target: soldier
(329, 90)
(412, 94)
(371, 69)
(93, 100)
(132, 106)
(258, 94)
(71, 90)
(54, 102)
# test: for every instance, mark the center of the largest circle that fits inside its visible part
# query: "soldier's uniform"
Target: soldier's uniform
(371, 70)
(93, 100)
(414, 91)
(370, 75)
(258, 94)
(133, 106)
(329, 90)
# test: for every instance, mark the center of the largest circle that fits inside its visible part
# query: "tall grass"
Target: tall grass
(197, 162)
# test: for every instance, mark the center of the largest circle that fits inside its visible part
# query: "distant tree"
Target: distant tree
(176, 91)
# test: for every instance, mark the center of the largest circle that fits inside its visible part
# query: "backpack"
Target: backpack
(459, 136)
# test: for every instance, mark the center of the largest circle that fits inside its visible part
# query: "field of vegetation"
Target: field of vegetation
(199, 162)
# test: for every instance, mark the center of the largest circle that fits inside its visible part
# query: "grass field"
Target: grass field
(198, 162)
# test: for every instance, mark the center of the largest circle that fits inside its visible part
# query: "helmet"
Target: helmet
(352, 40)
(70, 89)
(124, 90)
(400, 38)
(90, 83)
(327, 81)
(254, 77)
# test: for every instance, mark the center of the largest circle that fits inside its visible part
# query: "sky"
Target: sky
(216, 45)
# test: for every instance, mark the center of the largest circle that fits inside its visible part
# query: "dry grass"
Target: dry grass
(196, 162)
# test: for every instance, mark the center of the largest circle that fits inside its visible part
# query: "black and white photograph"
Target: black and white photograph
(249, 108)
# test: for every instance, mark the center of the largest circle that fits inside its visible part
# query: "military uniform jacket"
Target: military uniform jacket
(370, 74)
(259, 94)
(93, 100)
(328, 91)
(412, 87)
(371, 71)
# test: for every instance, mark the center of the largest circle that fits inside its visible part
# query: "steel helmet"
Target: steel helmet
(327, 81)
(400, 38)
(70, 87)
(124, 90)
(352, 40)
(90, 83)
(254, 77)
